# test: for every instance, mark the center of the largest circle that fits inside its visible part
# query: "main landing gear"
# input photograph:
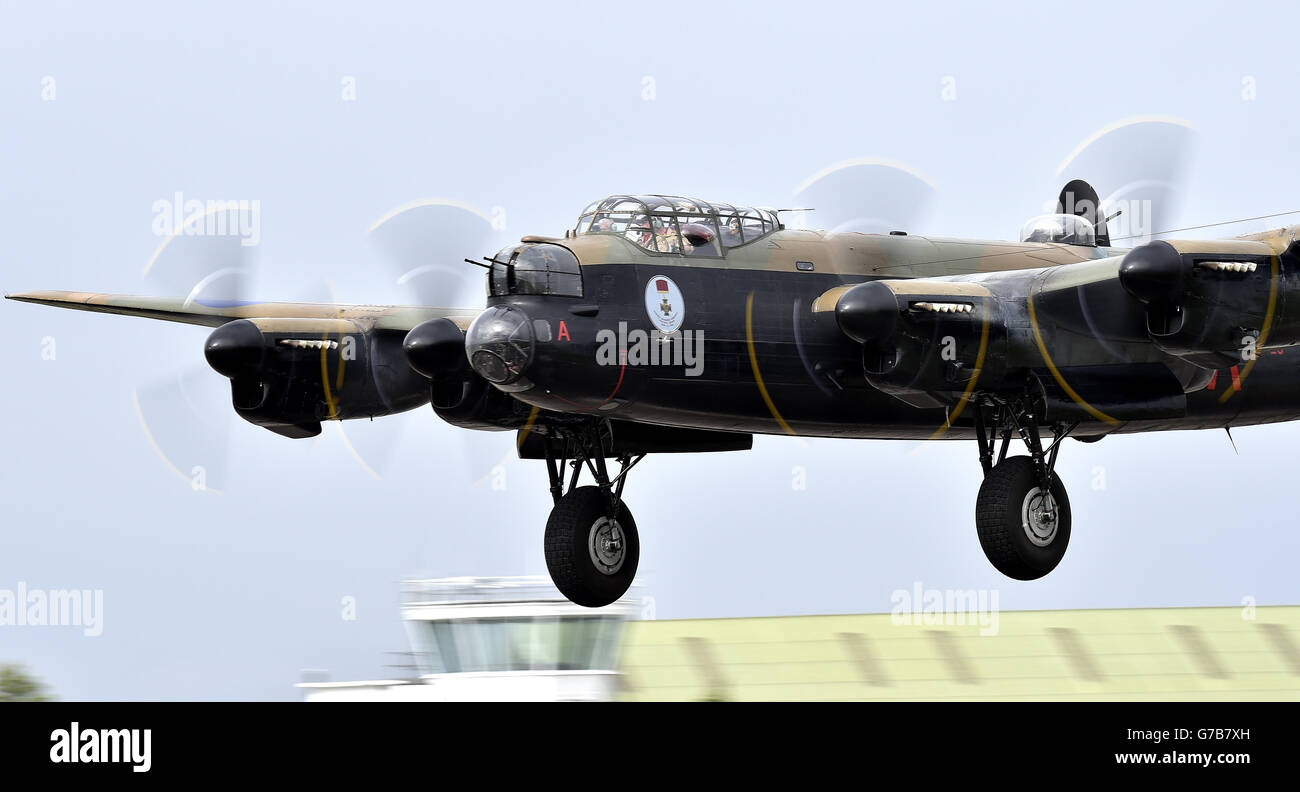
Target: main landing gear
(592, 548)
(1022, 512)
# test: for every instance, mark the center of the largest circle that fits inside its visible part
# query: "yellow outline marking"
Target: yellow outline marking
(355, 454)
(853, 163)
(979, 368)
(157, 449)
(753, 362)
(519, 443)
(1056, 374)
(338, 381)
(325, 380)
(421, 202)
(347, 442)
(527, 427)
(1106, 130)
(224, 206)
(1263, 332)
(501, 463)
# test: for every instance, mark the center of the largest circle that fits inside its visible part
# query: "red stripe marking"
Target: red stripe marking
(622, 369)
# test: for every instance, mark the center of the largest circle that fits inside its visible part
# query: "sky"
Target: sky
(330, 115)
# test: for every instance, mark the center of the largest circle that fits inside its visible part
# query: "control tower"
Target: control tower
(498, 639)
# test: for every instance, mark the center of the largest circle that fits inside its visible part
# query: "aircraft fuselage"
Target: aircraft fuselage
(742, 342)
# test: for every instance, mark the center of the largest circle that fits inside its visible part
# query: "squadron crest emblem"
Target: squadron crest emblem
(664, 304)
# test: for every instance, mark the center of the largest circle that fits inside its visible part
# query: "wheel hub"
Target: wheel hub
(606, 546)
(1039, 516)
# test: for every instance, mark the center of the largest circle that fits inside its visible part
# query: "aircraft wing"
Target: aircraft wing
(292, 365)
(214, 313)
(1110, 339)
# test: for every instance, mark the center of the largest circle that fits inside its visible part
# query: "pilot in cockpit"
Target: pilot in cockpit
(638, 231)
(668, 239)
(731, 233)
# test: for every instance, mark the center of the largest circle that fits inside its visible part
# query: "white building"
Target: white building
(498, 639)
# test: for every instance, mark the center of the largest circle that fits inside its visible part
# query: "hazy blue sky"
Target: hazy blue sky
(537, 110)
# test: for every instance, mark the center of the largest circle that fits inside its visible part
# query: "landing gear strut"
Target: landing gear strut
(1022, 512)
(592, 548)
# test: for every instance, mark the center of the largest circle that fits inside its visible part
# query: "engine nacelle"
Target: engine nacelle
(288, 375)
(925, 341)
(436, 350)
(1215, 303)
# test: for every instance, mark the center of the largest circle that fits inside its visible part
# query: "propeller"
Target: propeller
(1139, 165)
(1142, 164)
(423, 245)
(186, 414)
(868, 195)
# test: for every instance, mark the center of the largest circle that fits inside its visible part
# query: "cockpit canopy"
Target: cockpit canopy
(535, 268)
(1066, 229)
(671, 224)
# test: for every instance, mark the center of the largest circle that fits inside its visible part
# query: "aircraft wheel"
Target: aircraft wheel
(591, 558)
(1023, 530)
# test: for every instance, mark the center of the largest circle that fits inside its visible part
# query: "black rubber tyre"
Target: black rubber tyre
(1003, 528)
(574, 521)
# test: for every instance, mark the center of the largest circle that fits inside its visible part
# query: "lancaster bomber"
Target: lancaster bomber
(661, 324)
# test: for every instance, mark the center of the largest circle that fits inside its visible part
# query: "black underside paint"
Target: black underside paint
(811, 371)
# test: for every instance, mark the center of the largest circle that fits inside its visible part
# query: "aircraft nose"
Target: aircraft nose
(500, 346)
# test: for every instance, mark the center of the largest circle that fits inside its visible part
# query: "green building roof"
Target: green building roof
(1146, 654)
